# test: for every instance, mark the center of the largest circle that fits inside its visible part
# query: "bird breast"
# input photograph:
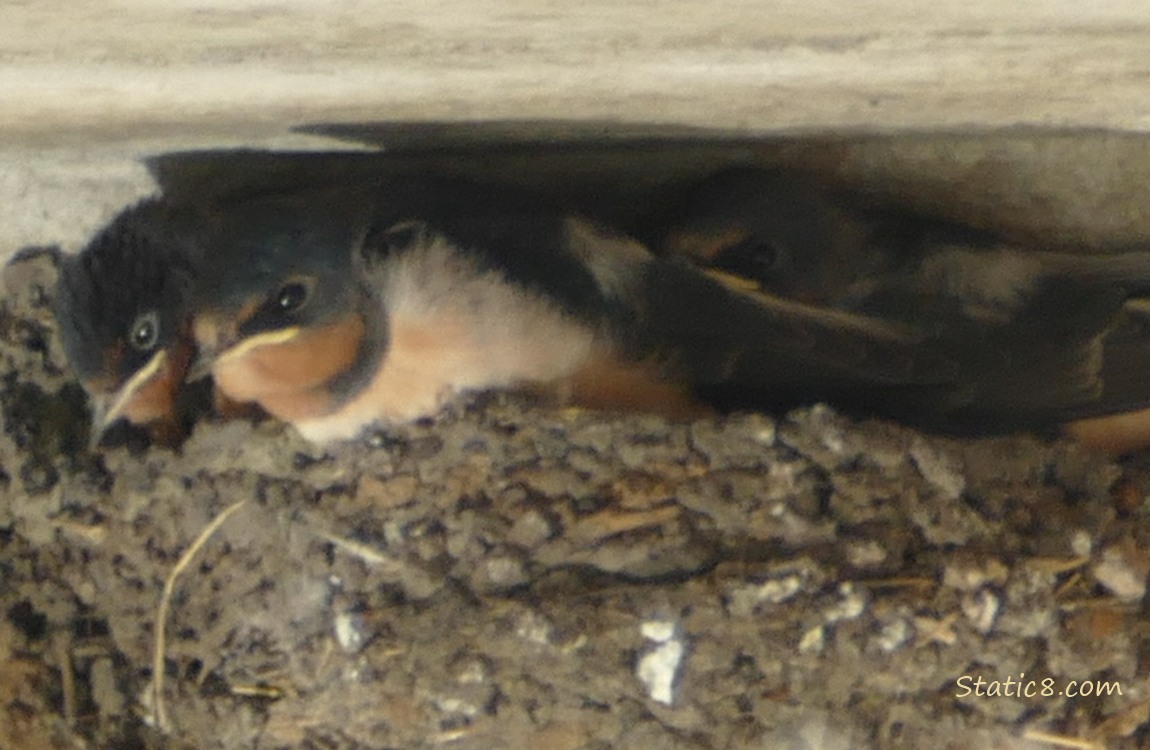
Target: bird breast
(453, 327)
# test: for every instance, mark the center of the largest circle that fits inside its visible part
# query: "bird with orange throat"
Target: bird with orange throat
(342, 309)
(121, 306)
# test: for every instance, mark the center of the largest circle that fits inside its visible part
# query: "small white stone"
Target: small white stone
(1082, 544)
(981, 608)
(657, 669)
(849, 607)
(473, 673)
(534, 627)
(813, 640)
(894, 635)
(504, 571)
(349, 631)
(942, 470)
(744, 599)
(972, 575)
(1125, 578)
(833, 441)
(765, 434)
(659, 631)
(453, 705)
(865, 554)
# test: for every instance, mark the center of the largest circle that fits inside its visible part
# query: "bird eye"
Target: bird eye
(145, 332)
(292, 297)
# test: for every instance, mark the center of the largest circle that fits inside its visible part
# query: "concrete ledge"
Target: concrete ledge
(86, 89)
(106, 65)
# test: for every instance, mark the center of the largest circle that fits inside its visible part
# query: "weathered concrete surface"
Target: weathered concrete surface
(110, 65)
(87, 88)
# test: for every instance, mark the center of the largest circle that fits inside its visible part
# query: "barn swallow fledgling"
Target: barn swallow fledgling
(1028, 328)
(121, 307)
(340, 309)
(774, 229)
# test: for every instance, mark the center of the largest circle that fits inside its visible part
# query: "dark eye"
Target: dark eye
(292, 297)
(145, 332)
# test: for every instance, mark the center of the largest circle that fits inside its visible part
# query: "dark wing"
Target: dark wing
(1026, 328)
(1121, 366)
(1071, 349)
(754, 349)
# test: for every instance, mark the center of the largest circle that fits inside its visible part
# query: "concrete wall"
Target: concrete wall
(87, 88)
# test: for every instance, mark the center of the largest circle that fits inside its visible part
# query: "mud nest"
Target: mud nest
(513, 576)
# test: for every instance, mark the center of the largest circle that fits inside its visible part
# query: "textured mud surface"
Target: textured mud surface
(515, 577)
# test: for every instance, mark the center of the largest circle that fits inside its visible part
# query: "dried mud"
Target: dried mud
(512, 576)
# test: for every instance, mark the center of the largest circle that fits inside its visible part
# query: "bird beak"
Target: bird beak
(109, 407)
(215, 351)
(101, 420)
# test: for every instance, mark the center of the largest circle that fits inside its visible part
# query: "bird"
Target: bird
(343, 309)
(120, 305)
(1032, 331)
(774, 229)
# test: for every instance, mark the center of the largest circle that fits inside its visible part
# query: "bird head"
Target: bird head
(279, 312)
(121, 306)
